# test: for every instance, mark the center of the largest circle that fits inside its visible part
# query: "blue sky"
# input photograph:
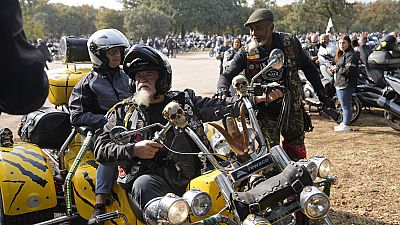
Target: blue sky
(114, 4)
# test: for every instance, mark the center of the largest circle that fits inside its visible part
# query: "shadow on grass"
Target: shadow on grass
(345, 218)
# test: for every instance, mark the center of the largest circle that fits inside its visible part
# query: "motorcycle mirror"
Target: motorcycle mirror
(276, 59)
(116, 132)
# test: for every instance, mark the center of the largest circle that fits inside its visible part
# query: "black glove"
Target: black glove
(222, 93)
(327, 102)
(329, 107)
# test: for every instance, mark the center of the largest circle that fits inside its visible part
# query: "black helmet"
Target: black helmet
(142, 57)
(388, 42)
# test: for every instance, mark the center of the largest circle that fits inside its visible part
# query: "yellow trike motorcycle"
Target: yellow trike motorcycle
(265, 187)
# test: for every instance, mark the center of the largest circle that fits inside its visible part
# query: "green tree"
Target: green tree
(339, 11)
(109, 18)
(382, 15)
(146, 22)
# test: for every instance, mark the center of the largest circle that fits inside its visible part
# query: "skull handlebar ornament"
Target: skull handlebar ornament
(6, 137)
(175, 114)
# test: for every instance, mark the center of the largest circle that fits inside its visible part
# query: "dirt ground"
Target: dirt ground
(366, 161)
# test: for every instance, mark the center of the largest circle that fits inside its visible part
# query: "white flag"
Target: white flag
(330, 25)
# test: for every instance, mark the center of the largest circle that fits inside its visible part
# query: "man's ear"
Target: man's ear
(272, 27)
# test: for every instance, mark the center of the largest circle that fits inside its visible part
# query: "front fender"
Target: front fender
(26, 180)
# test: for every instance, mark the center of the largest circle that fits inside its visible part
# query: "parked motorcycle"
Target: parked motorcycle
(388, 60)
(310, 98)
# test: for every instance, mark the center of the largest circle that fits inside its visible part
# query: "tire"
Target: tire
(356, 109)
(211, 53)
(392, 120)
(25, 219)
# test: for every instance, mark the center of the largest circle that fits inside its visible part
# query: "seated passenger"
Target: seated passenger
(106, 85)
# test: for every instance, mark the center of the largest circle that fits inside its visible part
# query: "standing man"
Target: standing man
(313, 48)
(326, 55)
(253, 59)
(97, 92)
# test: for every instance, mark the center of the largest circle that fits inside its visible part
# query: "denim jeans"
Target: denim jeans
(105, 178)
(344, 96)
(146, 187)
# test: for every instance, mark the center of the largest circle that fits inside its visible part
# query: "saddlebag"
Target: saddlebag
(46, 127)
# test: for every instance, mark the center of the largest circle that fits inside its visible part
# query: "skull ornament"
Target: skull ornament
(6, 137)
(240, 84)
(175, 114)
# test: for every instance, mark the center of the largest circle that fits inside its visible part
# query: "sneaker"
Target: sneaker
(98, 210)
(343, 128)
(338, 126)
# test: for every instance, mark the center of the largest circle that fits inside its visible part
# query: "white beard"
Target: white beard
(144, 97)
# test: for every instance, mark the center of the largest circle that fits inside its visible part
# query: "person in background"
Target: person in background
(230, 53)
(345, 79)
(326, 54)
(91, 98)
(220, 54)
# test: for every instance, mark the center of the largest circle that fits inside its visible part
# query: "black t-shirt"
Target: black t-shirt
(154, 113)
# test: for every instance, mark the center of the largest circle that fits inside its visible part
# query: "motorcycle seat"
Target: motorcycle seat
(384, 60)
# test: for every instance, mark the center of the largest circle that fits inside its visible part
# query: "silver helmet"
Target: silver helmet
(102, 40)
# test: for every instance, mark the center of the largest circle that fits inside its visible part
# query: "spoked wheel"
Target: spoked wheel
(392, 120)
(24, 219)
(355, 112)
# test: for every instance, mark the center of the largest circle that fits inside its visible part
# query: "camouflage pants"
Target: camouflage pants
(293, 133)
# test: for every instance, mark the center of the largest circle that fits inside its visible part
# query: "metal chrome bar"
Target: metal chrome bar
(204, 149)
(256, 125)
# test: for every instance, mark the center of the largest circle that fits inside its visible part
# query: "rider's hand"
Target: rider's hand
(146, 149)
(222, 93)
(269, 97)
(273, 95)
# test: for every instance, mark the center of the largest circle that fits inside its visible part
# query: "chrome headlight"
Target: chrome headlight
(174, 209)
(170, 208)
(314, 203)
(199, 201)
(324, 165)
(150, 212)
(311, 167)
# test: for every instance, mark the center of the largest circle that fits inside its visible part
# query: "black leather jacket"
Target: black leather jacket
(165, 163)
(346, 70)
(95, 94)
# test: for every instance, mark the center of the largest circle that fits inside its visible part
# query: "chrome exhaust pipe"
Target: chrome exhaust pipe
(389, 105)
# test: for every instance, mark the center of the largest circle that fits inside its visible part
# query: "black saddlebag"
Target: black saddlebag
(46, 127)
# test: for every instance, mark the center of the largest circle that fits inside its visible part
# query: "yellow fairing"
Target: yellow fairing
(206, 183)
(26, 180)
(84, 183)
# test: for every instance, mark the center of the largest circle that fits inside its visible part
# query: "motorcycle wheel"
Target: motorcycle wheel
(392, 120)
(355, 112)
(24, 219)
(211, 53)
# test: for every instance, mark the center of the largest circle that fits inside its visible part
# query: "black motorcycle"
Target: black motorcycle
(388, 61)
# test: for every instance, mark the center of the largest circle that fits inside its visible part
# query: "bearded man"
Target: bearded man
(151, 170)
